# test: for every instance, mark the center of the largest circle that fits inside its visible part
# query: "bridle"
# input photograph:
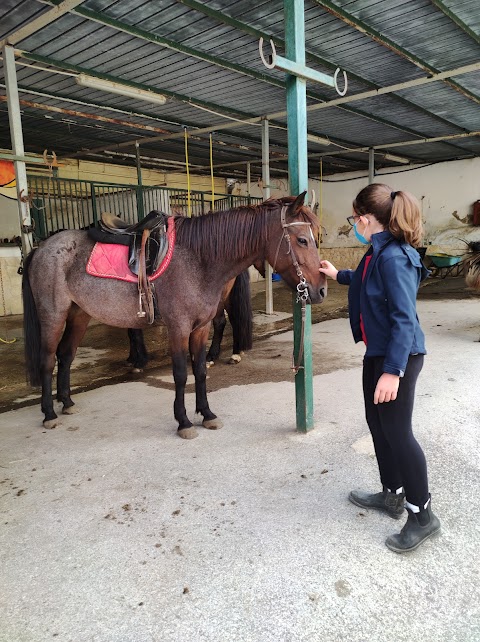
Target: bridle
(302, 286)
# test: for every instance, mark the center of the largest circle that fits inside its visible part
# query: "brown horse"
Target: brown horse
(60, 297)
(236, 302)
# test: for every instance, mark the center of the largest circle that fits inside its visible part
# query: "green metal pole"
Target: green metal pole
(298, 175)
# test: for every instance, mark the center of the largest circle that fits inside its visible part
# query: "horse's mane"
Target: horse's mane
(230, 234)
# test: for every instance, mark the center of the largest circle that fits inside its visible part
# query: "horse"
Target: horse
(60, 297)
(236, 301)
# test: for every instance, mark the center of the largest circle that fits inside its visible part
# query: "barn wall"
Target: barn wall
(10, 302)
(446, 192)
(109, 173)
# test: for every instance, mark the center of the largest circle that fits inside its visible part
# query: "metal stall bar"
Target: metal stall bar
(18, 148)
(266, 195)
(371, 165)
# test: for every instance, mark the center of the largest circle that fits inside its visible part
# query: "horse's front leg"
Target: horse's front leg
(178, 349)
(198, 342)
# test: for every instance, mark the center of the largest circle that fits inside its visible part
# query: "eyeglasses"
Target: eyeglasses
(351, 219)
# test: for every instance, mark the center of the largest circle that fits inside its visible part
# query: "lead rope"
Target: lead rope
(302, 296)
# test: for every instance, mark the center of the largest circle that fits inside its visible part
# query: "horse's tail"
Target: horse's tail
(31, 327)
(240, 313)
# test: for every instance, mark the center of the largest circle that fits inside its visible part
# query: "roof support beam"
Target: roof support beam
(122, 123)
(237, 118)
(142, 34)
(366, 150)
(361, 26)
(135, 114)
(77, 69)
(245, 28)
(246, 119)
(458, 21)
(42, 21)
(336, 101)
(221, 62)
(405, 143)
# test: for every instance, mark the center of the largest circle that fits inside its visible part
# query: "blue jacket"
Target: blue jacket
(386, 299)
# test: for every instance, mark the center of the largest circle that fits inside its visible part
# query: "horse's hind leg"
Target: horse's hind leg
(138, 357)
(219, 323)
(198, 341)
(75, 327)
(47, 363)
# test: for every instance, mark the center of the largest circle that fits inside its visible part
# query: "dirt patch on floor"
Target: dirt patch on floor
(101, 359)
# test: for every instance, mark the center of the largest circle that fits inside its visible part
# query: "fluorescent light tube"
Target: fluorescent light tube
(118, 88)
(318, 139)
(396, 159)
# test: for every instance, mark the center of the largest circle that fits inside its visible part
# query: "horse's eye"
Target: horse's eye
(302, 241)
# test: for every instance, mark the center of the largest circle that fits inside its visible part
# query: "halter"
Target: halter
(302, 286)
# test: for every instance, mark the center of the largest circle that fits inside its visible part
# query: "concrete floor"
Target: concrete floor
(115, 530)
(103, 351)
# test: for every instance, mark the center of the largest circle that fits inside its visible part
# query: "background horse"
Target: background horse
(236, 301)
(60, 298)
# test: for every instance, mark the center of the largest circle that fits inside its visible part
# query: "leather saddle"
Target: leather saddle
(113, 229)
(148, 245)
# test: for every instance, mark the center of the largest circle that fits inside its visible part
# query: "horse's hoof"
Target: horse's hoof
(212, 424)
(235, 358)
(210, 364)
(137, 370)
(50, 424)
(70, 410)
(188, 433)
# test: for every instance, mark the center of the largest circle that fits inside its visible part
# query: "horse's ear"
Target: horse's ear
(297, 204)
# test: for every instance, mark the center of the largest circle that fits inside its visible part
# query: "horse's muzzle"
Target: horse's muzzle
(317, 295)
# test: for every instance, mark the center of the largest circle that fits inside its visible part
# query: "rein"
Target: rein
(302, 287)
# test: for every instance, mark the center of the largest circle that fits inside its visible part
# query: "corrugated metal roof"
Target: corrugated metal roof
(204, 57)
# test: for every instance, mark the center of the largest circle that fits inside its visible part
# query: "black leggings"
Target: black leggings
(400, 459)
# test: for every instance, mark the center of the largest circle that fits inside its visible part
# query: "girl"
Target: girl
(382, 308)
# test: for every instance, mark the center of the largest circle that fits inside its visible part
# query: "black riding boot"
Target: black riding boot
(419, 527)
(389, 503)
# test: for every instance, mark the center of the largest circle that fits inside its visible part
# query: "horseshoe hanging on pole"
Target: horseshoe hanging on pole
(50, 159)
(300, 70)
(273, 56)
(345, 81)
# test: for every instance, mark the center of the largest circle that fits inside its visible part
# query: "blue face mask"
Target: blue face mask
(360, 237)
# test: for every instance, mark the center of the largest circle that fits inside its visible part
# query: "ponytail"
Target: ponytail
(406, 219)
(399, 212)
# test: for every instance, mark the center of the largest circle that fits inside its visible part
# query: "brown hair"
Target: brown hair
(399, 212)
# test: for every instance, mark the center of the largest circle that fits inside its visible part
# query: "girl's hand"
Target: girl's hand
(387, 388)
(328, 269)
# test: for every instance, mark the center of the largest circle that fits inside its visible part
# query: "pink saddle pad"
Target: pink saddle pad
(110, 261)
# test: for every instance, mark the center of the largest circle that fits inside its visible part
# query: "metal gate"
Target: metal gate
(66, 204)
